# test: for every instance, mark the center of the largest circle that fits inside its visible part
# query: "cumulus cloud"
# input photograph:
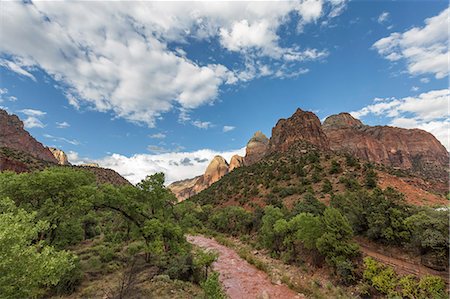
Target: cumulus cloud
(428, 111)
(175, 165)
(120, 59)
(33, 118)
(424, 49)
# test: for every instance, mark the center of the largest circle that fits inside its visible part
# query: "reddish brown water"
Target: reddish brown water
(240, 279)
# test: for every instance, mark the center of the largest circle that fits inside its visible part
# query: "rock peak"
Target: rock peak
(342, 120)
(256, 148)
(302, 126)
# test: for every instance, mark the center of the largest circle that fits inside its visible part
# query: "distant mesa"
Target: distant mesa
(409, 149)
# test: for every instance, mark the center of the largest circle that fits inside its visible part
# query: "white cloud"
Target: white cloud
(228, 128)
(383, 17)
(33, 118)
(12, 66)
(62, 139)
(62, 125)
(119, 57)
(414, 88)
(202, 124)
(158, 136)
(175, 165)
(428, 111)
(424, 80)
(424, 49)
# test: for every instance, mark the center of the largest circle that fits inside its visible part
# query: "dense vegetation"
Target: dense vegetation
(278, 204)
(58, 227)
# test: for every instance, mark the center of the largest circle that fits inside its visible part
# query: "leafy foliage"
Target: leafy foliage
(27, 265)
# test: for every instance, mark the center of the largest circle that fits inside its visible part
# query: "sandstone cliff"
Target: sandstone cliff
(256, 148)
(217, 168)
(14, 136)
(60, 156)
(410, 149)
(236, 162)
(302, 126)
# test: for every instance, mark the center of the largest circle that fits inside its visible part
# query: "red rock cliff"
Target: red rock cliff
(301, 126)
(412, 149)
(13, 135)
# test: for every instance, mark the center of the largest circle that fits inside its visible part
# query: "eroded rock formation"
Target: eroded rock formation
(236, 162)
(256, 148)
(60, 156)
(302, 126)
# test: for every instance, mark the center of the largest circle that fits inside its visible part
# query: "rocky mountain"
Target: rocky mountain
(20, 152)
(256, 148)
(412, 150)
(408, 149)
(60, 156)
(217, 168)
(14, 136)
(302, 126)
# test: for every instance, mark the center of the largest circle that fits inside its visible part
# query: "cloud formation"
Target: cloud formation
(33, 118)
(121, 57)
(424, 49)
(428, 111)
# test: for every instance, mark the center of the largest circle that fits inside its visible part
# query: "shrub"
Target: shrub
(431, 287)
(212, 287)
(335, 167)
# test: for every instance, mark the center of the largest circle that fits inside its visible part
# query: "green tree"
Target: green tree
(27, 265)
(267, 235)
(336, 242)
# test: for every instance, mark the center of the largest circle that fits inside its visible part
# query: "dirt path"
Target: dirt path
(240, 279)
(401, 266)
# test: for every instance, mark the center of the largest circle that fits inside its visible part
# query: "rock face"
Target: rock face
(216, 169)
(412, 149)
(256, 148)
(302, 126)
(14, 136)
(60, 156)
(236, 162)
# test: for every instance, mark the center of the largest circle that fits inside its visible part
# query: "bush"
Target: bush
(212, 287)
(431, 287)
(309, 204)
(335, 167)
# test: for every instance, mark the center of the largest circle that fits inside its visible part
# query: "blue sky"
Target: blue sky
(155, 86)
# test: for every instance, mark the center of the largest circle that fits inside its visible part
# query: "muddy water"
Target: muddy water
(240, 279)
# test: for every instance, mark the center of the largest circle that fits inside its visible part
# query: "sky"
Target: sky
(142, 87)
